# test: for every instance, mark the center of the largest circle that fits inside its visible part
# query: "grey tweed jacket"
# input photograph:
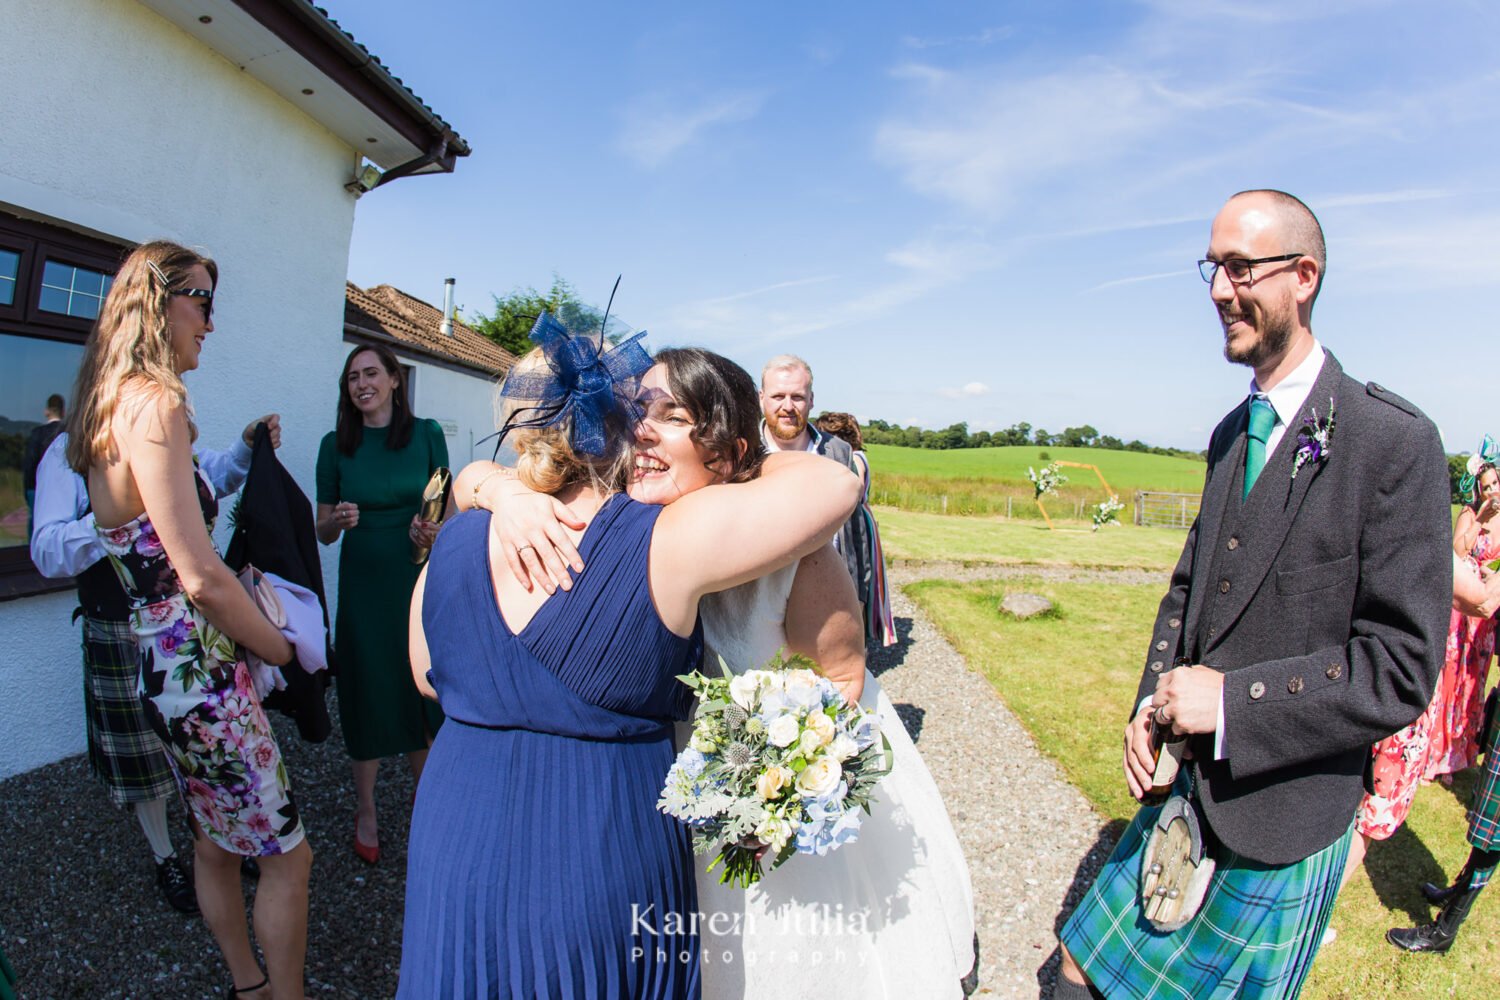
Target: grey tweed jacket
(852, 540)
(1325, 600)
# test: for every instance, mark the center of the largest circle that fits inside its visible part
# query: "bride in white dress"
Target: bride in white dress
(889, 915)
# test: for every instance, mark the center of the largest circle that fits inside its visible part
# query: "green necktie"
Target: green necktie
(1262, 419)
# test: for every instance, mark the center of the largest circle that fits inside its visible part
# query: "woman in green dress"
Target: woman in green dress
(371, 472)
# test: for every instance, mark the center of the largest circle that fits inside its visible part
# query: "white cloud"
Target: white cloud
(1382, 198)
(1264, 12)
(968, 390)
(1137, 279)
(982, 37)
(777, 313)
(1192, 91)
(652, 132)
(981, 142)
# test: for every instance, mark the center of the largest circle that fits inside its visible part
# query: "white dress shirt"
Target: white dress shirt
(813, 437)
(1289, 395)
(64, 541)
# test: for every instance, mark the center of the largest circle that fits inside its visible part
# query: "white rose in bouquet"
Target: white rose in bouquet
(742, 690)
(802, 690)
(820, 777)
(842, 748)
(783, 730)
(771, 784)
(809, 742)
(822, 725)
(774, 831)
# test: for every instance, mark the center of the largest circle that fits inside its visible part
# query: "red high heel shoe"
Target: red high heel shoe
(368, 853)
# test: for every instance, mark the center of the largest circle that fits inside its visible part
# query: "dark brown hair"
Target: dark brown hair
(725, 406)
(349, 428)
(843, 426)
(1484, 467)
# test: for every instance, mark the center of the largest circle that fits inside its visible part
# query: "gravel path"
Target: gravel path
(1032, 841)
(80, 916)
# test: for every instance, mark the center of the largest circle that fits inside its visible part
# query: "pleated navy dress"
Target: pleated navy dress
(539, 865)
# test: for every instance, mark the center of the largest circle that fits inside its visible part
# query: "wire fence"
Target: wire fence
(1166, 510)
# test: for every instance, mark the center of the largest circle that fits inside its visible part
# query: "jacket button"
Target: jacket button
(1257, 690)
(1175, 623)
(1161, 646)
(1223, 586)
(1156, 666)
(1334, 671)
(1234, 543)
(1294, 685)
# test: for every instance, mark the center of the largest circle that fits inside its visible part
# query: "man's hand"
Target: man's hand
(273, 425)
(1188, 698)
(1139, 767)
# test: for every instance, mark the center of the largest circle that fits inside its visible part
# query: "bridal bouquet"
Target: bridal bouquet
(778, 761)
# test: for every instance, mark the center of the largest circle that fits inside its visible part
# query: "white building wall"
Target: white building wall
(463, 402)
(116, 121)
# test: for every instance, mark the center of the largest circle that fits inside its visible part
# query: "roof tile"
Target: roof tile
(391, 313)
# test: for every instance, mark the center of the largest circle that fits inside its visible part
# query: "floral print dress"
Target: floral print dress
(1444, 739)
(196, 692)
(1461, 688)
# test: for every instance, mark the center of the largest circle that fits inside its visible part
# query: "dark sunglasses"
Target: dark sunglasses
(206, 294)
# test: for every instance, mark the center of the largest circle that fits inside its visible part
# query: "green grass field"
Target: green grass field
(1126, 470)
(987, 481)
(1071, 679)
(915, 536)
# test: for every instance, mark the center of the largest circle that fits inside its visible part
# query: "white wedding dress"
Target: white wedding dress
(888, 916)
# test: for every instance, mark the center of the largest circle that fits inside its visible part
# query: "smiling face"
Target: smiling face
(187, 320)
(1259, 316)
(1489, 485)
(786, 399)
(371, 388)
(668, 462)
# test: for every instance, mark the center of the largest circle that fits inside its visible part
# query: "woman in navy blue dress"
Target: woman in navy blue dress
(539, 866)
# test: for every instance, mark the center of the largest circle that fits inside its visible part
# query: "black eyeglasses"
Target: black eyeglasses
(206, 294)
(1238, 268)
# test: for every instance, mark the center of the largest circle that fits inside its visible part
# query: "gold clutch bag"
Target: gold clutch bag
(434, 503)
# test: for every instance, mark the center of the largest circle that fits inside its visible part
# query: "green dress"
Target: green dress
(7, 979)
(379, 706)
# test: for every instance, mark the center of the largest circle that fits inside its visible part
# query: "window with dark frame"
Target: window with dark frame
(52, 284)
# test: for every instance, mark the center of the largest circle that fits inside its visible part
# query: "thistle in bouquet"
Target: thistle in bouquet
(779, 763)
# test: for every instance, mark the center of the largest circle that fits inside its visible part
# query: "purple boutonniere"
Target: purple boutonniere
(1313, 439)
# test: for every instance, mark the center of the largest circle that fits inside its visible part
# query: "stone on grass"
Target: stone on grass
(1023, 606)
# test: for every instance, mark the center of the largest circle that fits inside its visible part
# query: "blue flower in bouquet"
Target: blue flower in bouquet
(685, 795)
(828, 824)
(867, 730)
(691, 762)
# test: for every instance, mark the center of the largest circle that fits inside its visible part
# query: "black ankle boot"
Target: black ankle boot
(1438, 895)
(1477, 861)
(1439, 935)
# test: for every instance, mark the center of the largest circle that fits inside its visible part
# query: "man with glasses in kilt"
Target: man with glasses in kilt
(124, 752)
(1305, 621)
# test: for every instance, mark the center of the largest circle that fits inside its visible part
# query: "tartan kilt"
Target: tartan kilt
(124, 751)
(1255, 936)
(1484, 808)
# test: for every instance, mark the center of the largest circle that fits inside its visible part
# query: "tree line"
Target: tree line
(1022, 433)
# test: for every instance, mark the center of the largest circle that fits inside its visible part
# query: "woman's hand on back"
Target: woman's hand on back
(531, 528)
